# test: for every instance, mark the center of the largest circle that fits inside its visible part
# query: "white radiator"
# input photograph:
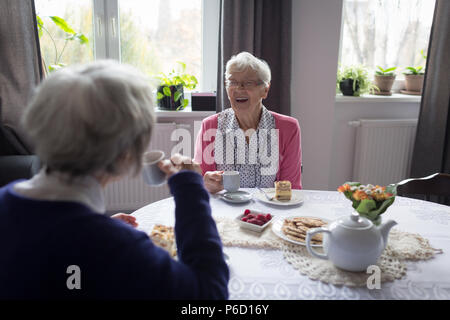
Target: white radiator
(383, 150)
(131, 193)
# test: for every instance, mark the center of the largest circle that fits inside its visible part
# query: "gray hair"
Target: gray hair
(92, 118)
(244, 61)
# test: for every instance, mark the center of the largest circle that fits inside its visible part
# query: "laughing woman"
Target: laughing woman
(262, 145)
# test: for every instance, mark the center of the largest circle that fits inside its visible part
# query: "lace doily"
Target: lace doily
(401, 246)
(232, 235)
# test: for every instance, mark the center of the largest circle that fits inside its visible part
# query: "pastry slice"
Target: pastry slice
(283, 190)
(164, 237)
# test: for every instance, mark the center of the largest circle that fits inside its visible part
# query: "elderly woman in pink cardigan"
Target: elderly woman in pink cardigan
(263, 146)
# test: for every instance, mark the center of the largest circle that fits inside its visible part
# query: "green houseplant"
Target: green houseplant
(384, 79)
(71, 35)
(354, 81)
(414, 78)
(170, 93)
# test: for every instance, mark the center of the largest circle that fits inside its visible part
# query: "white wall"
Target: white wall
(343, 147)
(328, 142)
(315, 48)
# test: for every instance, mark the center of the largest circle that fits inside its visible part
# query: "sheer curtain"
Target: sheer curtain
(20, 70)
(263, 28)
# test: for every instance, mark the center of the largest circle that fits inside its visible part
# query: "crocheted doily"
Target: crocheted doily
(401, 246)
(232, 235)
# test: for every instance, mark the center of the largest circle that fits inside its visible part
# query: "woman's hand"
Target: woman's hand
(177, 163)
(213, 181)
(126, 218)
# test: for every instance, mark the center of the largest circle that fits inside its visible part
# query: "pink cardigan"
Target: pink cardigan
(290, 152)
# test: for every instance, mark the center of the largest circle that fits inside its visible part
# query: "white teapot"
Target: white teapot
(352, 243)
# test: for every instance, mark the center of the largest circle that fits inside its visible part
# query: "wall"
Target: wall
(353, 108)
(327, 140)
(315, 37)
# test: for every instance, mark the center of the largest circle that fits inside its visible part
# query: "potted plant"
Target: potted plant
(170, 93)
(354, 81)
(414, 78)
(384, 79)
(71, 35)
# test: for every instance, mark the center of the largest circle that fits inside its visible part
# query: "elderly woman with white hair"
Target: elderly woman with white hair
(91, 125)
(263, 146)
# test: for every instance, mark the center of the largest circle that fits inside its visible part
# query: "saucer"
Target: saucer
(236, 197)
(415, 93)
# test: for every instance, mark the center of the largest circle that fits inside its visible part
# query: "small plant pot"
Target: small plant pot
(346, 87)
(169, 103)
(384, 83)
(414, 82)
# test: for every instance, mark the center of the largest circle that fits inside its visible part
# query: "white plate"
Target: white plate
(236, 197)
(278, 223)
(296, 199)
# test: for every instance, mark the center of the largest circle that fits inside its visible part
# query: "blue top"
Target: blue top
(40, 240)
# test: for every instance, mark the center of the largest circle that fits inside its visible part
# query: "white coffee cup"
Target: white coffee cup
(151, 173)
(231, 181)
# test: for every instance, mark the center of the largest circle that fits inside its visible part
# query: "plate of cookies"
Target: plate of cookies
(294, 229)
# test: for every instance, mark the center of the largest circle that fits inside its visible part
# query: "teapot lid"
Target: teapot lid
(355, 221)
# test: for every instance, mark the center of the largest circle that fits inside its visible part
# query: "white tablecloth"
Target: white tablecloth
(264, 274)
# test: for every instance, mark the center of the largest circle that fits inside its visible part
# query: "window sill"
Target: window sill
(396, 97)
(186, 113)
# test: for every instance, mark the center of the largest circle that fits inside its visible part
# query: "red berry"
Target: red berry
(261, 217)
(247, 211)
(244, 219)
(251, 216)
(268, 217)
(253, 220)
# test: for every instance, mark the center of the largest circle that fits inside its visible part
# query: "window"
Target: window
(386, 33)
(55, 49)
(151, 35)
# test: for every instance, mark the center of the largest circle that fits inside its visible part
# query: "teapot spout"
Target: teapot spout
(385, 228)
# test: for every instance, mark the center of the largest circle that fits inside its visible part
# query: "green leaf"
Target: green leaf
(62, 24)
(40, 24)
(177, 95)
(390, 69)
(159, 96)
(185, 102)
(54, 67)
(366, 206)
(80, 37)
(167, 91)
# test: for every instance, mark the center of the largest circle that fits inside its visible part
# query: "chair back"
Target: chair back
(437, 184)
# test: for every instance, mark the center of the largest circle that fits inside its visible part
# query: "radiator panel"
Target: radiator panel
(383, 150)
(131, 193)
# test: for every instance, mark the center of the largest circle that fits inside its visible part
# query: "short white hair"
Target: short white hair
(244, 61)
(92, 118)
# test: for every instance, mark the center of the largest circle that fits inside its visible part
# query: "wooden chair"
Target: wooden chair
(435, 188)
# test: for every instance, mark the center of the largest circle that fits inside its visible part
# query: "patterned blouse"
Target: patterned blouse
(257, 160)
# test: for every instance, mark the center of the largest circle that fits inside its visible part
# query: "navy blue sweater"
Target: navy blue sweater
(39, 240)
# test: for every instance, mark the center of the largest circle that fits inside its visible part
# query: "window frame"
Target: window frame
(107, 37)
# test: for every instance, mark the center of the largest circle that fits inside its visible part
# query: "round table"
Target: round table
(264, 274)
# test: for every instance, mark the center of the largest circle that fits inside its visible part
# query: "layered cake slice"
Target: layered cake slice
(164, 237)
(283, 190)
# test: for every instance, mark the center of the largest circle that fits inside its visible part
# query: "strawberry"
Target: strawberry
(246, 212)
(244, 219)
(268, 217)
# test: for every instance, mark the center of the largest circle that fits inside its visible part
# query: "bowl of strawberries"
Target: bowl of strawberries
(254, 220)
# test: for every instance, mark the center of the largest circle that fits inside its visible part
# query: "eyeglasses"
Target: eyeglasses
(249, 84)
